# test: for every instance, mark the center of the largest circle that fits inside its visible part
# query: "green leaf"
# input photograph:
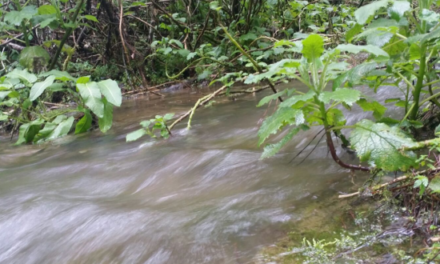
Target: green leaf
(83, 79)
(398, 9)
(84, 124)
(415, 52)
(39, 87)
(352, 32)
(30, 56)
(363, 14)
(16, 17)
(91, 18)
(434, 185)
(23, 75)
(374, 106)
(168, 116)
(3, 117)
(366, 48)
(297, 98)
(135, 135)
(105, 123)
(110, 89)
(348, 96)
(62, 129)
(280, 118)
(382, 145)
(28, 131)
(92, 96)
(248, 36)
(271, 97)
(47, 10)
(273, 149)
(191, 55)
(59, 75)
(4, 94)
(313, 47)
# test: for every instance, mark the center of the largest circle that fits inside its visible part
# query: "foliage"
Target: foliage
(26, 95)
(150, 126)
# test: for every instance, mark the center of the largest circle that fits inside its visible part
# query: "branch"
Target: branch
(199, 103)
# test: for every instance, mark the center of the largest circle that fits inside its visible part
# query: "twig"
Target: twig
(399, 179)
(199, 104)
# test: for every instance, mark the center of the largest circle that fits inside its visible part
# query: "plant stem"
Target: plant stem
(419, 84)
(330, 143)
(66, 35)
(257, 67)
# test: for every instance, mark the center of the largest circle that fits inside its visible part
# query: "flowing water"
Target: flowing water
(202, 196)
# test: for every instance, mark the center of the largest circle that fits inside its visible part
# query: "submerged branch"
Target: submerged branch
(199, 103)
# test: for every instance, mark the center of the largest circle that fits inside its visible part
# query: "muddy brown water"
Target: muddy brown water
(202, 196)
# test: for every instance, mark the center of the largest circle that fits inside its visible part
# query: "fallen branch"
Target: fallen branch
(375, 188)
(199, 103)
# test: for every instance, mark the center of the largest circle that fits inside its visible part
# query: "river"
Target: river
(202, 196)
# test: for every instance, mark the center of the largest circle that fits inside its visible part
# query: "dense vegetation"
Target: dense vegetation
(60, 61)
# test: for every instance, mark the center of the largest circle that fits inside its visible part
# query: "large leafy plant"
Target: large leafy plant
(403, 49)
(318, 105)
(408, 32)
(26, 94)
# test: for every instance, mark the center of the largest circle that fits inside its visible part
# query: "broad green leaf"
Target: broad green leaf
(21, 133)
(39, 87)
(83, 79)
(110, 89)
(105, 123)
(352, 32)
(59, 75)
(135, 135)
(191, 55)
(297, 98)
(435, 34)
(382, 145)
(273, 149)
(4, 94)
(59, 119)
(367, 48)
(271, 97)
(437, 130)
(45, 132)
(47, 10)
(363, 14)
(377, 108)
(14, 94)
(62, 129)
(348, 96)
(430, 17)
(3, 117)
(84, 124)
(376, 36)
(434, 185)
(280, 118)
(398, 9)
(30, 56)
(28, 131)
(92, 96)
(91, 18)
(23, 75)
(395, 46)
(248, 36)
(415, 52)
(168, 116)
(313, 47)
(16, 17)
